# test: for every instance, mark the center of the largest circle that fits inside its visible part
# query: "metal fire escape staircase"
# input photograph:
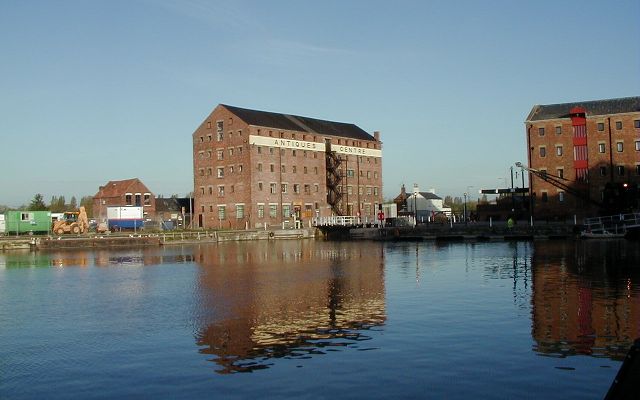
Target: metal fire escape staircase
(334, 180)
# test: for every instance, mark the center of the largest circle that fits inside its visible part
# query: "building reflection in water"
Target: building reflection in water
(289, 299)
(585, 297)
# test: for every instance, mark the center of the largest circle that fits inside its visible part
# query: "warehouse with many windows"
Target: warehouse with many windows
(255, 169)
(587, 155)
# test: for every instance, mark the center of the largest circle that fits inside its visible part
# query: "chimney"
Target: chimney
(376, 135)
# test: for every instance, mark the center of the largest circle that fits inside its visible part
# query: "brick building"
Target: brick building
(128, 192)
(256, 168)
(593, 149)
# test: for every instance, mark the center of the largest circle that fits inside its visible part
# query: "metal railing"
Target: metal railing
(613, 223)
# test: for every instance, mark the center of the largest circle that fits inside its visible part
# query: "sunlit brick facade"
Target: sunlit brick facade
(254, 169)
(591, 146)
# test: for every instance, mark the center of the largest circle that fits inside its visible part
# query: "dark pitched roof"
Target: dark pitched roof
(298, 123)
(595, 107)
(172, 204)
(430, 196)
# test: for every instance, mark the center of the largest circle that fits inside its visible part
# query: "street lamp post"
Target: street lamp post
(465, 208)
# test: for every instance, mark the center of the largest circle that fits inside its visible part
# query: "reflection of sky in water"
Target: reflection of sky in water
(501, 320)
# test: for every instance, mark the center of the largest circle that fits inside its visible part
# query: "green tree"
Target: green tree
(87, 203)
(37, 204)
(73, 204)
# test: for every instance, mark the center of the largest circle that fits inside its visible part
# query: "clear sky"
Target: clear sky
(92, 91)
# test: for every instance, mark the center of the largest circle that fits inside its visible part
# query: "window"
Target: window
(222, 212)
(618, 125)
(270, 150)
(543, 151)
(637, 169)
(260, 186)
(272, 188)
(128, 198)
(349, 190)
(541, 131)
(260, 210)
(603, 171)
(273, 210)
(25, 217)
(293, 153)
(233, 188)
(240, 150)
(221, 191)
(259, 166)
(350, 173)
(231, 152)
(283, 169)
(559, 151)
(271, 167)
(286, 210)
(368, 174)
(220, 172)
(296, 188)
(561, 197)
(636, 123)
(316, 187)
(147, 199)
(619, 147)
(138, 198)
(375, 175)
(259, 150)
(545, 197)
(231, 169)
(560, 173)
(375, 191)
(209, 171)
(637, 145)
(201, 189)
(284, 188)
(307, 189)
(210, 189)
(294, 169)
(208, 138)
(305, 168)
(601, 148)
(239, 211)
(559, 130)
(368, 190)
(219, 131)
(210, 208)
(201, 171)
(315, 170)
(240, 168)
(208, 124)
(220, 154)
(600, 126)
(620, 169)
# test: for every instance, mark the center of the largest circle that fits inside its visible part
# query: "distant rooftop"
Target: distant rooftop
(298, 123)
(595, 107)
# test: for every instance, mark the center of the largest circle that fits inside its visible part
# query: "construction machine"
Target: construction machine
(72, 222)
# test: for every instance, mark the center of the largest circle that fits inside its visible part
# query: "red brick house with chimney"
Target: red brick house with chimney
(128, 192)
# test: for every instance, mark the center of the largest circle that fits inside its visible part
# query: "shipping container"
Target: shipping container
(27, 222)
(125, 218)
(2, 224)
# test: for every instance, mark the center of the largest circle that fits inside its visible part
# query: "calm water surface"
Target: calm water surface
(312, 319)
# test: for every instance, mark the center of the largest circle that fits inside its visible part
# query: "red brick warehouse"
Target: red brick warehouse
(257, 168)
(592, 146)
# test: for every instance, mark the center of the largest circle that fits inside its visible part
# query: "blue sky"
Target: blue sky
(92, 91)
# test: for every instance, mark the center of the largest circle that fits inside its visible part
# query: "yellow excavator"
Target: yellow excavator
(72, 222)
